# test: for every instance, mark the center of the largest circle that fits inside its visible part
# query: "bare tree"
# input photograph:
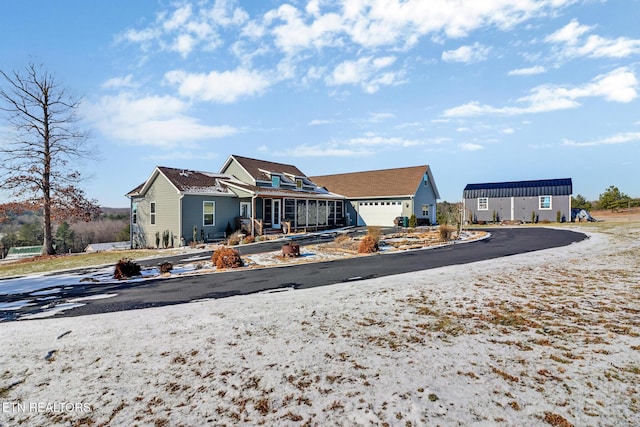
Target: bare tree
(37, 158)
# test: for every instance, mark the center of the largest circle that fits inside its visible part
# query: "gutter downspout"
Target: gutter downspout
(253, 213)
(180, 216)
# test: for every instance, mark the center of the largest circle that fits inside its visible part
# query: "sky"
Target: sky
(490, 91)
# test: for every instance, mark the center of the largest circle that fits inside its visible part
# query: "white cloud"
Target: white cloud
(330, 149)
(538, 69)
(224, 87)
(621, 138)
(469, 146)
(372, 140)
(619, 85)
(183, 29)
(153, 120)
(365, 72)
(467, 54)
(120, 82)
(572, 43)
(508, 131)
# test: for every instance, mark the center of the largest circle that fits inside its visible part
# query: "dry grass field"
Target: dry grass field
(544, 338)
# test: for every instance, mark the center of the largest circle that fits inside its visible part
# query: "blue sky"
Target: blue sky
(482, 91)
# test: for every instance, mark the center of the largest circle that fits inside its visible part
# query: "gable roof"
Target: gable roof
(542, 187)
(187, 181)
(257, 168)
(378, 183)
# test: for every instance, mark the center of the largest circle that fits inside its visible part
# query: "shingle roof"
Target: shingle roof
(188, 181)
(377, 183)
(542, 187)
(256, 167)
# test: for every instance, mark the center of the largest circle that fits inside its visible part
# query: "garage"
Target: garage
(378, 213)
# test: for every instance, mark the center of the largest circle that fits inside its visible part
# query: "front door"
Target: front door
(276, 213)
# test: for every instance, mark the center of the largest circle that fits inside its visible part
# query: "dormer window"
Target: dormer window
(275, 181)
(299, 183)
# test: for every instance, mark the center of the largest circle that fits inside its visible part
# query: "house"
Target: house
(19, 252)
(109, 246)
(177, 206)
(378, 197)
(541, 200)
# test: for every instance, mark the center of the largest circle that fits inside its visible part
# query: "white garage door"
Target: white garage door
(379, 213)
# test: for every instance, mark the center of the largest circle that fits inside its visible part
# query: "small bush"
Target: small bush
(375, 233)
(367, 245)
(413, 221)
(248, 239)
(166, 267)
(446, 232)
(227, 258)
(126, 268)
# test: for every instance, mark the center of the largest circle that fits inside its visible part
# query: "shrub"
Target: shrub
(533, 217)
(166, 267)
(558, 216)
(228, 231)
(226, 258)
(367, 245)
(157, 239)
(446, 232)
(248, 239)
(413, 221)
(375, 233)
(126, 268)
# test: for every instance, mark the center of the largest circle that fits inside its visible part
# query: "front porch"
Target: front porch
(287, 215)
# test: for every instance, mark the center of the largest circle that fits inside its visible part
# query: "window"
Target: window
(299, 183)
(483, 203)
(425, 210)
(134, 213)
(275, 181)
(208, 213)
(153, 213)
(290, 210)
(425, 179)
(245, 209)
(545, 202)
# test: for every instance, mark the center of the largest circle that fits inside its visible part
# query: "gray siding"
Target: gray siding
(236, 170)
(517, 208)
(226, 210)
(425, 195)
(167, 214)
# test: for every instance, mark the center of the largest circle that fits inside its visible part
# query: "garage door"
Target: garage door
(379, 213)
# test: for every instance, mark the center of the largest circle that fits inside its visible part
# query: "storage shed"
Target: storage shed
(527, 201)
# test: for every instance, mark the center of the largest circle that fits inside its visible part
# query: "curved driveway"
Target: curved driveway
(503, 242)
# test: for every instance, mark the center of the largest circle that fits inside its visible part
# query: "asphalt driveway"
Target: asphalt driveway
(154, 293)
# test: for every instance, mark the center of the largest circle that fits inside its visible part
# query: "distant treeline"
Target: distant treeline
(26, 229)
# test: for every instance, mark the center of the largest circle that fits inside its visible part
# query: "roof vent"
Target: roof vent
(185, 173)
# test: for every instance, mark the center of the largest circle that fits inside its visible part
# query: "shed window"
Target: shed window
(134, 213)
(425, 210)
(153, 213)
(483, 203)
(545, 202)
(208, 213)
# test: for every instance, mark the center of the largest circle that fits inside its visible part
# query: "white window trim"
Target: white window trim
(248, 205)
(204, 213)
(425, 209)
(153, 213)
(540, 198)
(486, 206)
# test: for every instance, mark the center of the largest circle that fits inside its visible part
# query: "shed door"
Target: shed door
(379, 213)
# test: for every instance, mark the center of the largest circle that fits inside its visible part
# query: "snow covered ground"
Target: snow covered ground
(546, 337)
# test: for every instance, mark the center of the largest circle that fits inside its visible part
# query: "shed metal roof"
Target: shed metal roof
(543, 187)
